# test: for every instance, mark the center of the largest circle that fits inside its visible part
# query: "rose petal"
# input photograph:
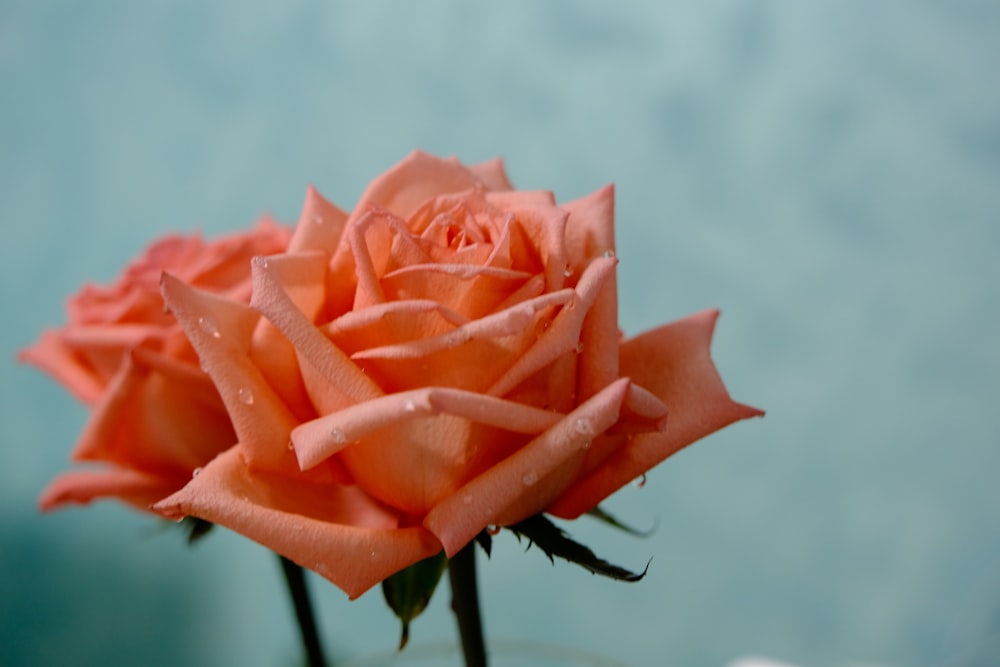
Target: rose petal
(51, 355)
(564, 334)
(158, 415)
(320, 226)
(520, 485)
(133, 487)
(473, 291)
(334, 530)
(414, 180)
(339, 381)
(590, 231)
(492, 174)
(221, 332)
(316, 440)
(673, 362)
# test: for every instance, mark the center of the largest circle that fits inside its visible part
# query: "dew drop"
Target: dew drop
(467, 499)
(585, 445)
(317, 219)
(338, 436)
(584, 426)
(207, 324)
(579, 347)
(373, 554)
(321, 569)
(493, 529)
(609, 253)
(410, 406)
(530, 478)
(568, 271)
(640, 481)
(196, 472)
(291, 446)
(245, 396)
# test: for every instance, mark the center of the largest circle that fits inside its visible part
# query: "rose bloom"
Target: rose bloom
(156, 415)
(449, 359)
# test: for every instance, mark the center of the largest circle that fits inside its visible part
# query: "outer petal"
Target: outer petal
(493, 174)
(527, 481)
(51, 355)
(674, 363)
(221, 332)
(417, 178)
(320, 226)
(130, 486)
(323, 437)
(334, 530)
(157, 415)
(590, 231)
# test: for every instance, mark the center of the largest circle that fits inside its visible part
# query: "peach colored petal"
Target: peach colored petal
(527, 481)
(157, 415)
(334, 530)
(221, 332)
(507, 322)
(50, 354)
(316, 440)
(339, 381)
(590, 231)
(414, 180)
(320, 226)
(492, 174)
(673, 362)
(133, 487)
(599, 341)
(515, 198)
(473, 291)
(546, 227)
(564, 334)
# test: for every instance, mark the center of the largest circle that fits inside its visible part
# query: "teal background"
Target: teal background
(824, 172)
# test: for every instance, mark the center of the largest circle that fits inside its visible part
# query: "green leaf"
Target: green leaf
(554, 541)
(409, 591)
(613, 521)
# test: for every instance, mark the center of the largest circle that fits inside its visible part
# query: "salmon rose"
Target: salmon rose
(449, 359)
(156, 415)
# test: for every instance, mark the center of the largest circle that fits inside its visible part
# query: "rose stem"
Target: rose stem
(296, 581)
(465, 604)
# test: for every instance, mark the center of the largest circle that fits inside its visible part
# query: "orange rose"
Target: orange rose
(450, 360)
(157, 416)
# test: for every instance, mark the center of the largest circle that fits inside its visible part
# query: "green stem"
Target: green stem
(295, 578)
(465, 605)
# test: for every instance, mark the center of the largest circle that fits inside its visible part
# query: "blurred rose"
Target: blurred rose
(450, 360)
(156, 416)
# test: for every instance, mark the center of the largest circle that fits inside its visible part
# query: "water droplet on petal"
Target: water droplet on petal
(640, 481)
(207, 324)
(245, 396)
(584, 426)
(338, 436)
(609, 253)
(410, 406)
(493, 529)
(317, 219)
(373, 554)
(196, 472)
(530, 478)
(291, 446)
(579, 347)
(467, 499)
(568, 271)
(585, 445)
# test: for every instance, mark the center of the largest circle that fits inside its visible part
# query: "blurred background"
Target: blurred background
(825, 173)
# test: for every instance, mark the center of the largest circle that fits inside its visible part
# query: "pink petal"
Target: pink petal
(492, 174)
(334, 530)
(338, 381)
(316, 440)
(673, 362)
(564, 334)
(590, 231)
(320, 226)
(221, 332)
(414, 180)
(528, 480)
(133, 487)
